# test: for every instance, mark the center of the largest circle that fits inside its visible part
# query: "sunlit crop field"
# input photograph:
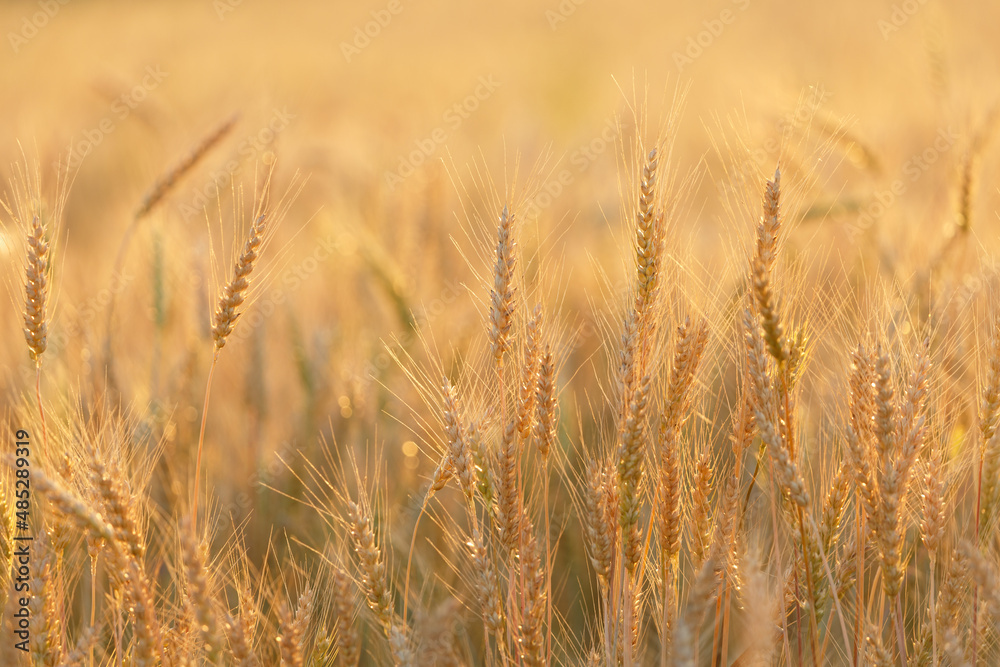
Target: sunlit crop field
(576, 333)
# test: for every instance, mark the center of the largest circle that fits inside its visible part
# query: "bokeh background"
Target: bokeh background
(407, 125)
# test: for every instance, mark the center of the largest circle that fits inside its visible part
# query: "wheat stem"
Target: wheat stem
(201, 441)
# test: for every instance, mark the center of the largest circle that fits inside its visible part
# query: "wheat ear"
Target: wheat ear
(159, 190)
(36, 290)
(165, 183)
(227, 312)
(348, 639)
(502, 296)
(199, 593)
(988, 495)
(293, 629)
(35, 294)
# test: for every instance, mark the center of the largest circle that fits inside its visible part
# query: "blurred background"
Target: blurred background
(410, 123)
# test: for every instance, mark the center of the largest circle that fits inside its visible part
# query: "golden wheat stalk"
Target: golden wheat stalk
(35, 295)
(157, 193)
(36, 289)
(348, 639)
(502, 296)
(166, 182)
(227, 312)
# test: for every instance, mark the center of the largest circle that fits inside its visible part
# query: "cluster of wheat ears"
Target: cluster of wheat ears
(867, 535)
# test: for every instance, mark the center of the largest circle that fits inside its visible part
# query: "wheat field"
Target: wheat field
(559, 333)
